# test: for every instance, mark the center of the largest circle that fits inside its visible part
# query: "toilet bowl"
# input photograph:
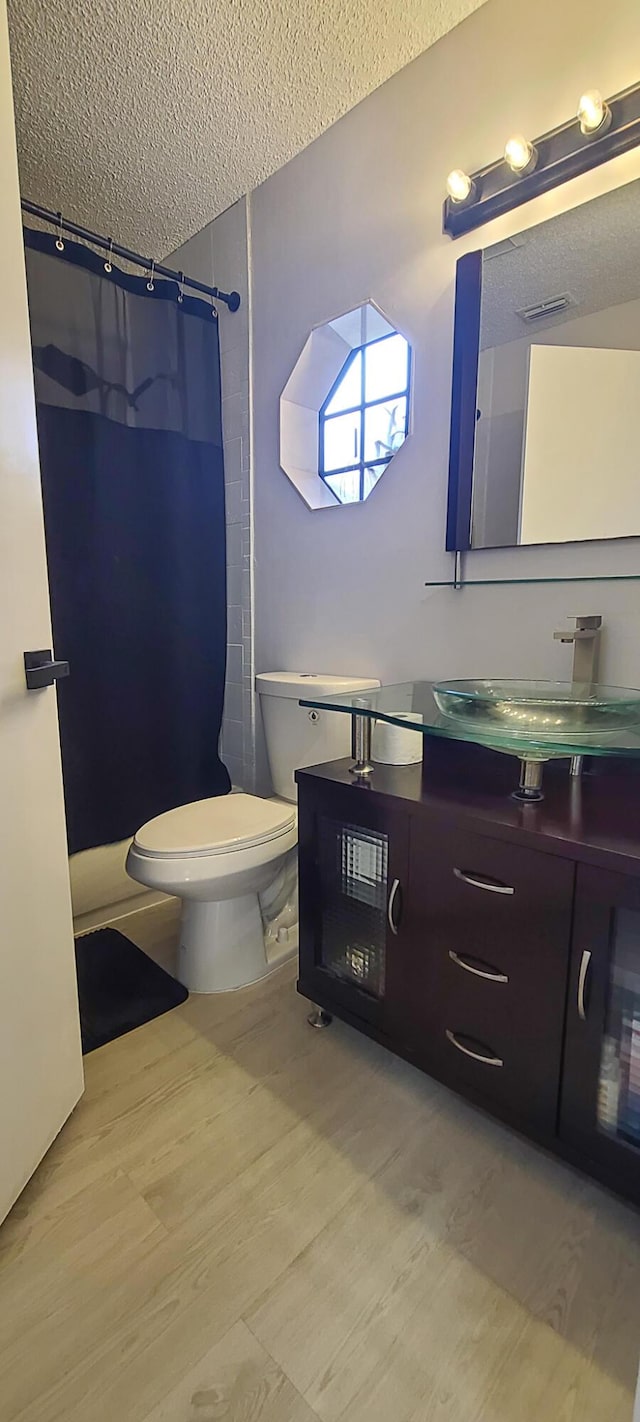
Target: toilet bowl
(232, 860)
(218, 856)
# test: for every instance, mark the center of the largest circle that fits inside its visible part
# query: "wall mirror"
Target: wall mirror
(344, 412)
(546, 382)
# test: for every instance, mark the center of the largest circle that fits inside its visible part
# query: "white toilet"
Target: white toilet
(232, 859)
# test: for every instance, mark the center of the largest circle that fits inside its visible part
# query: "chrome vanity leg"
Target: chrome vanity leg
(319, 1018)
(361, 744)
(577, 763)
(530, 787)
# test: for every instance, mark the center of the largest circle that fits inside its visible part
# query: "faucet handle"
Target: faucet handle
(583, 624)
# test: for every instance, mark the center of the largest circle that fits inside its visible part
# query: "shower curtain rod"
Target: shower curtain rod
(232, 298)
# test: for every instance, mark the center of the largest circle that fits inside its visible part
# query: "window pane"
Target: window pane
(384, 429)
(341, 441)
(371, 475)
(349, 391)
(346, 487)
(386, 367)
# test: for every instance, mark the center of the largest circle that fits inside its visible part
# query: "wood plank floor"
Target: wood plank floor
(247, 1221)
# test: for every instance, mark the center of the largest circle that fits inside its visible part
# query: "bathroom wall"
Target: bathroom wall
(218, 256)
(356, 215)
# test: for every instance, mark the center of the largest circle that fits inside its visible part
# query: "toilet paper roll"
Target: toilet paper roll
(398, 745)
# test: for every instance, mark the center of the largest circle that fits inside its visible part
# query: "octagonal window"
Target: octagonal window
(344, 412)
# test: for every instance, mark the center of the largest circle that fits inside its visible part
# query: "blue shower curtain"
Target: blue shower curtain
(129, 425)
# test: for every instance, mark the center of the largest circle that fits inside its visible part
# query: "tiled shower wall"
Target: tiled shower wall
(218, 255)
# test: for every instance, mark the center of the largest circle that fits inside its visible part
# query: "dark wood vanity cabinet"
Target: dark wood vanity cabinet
(485, 942)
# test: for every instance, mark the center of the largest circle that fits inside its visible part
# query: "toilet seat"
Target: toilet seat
(217, 826)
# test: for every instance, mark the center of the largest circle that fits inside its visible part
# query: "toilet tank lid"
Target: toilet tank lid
(302, 684)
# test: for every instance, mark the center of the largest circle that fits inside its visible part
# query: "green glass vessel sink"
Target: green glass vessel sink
(534, 720)
(549, 713)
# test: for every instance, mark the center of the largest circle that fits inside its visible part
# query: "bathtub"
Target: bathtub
(102, 894)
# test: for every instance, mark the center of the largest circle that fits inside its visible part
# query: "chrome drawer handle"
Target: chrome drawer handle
(582, 983)
(492, 975)
(478, 882)
(392, 898)
(487, 1059)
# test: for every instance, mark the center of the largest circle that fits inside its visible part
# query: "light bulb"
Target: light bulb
(460, 186)
(520, 154)
(594, 114)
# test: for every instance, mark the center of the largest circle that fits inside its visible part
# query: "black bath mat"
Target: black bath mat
(119, 987)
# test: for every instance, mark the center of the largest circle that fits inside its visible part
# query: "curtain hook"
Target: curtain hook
(151, 283)
(107, 266)
(181, 286)
(214, 309)
(59, 241)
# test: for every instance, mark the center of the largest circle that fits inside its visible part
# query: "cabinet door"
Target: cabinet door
(480, 974)
(352, 867)
(600, 1111)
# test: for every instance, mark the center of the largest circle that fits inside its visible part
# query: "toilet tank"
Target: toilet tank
(297, 736)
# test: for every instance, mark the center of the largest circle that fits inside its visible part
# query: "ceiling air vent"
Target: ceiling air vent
(553, 306)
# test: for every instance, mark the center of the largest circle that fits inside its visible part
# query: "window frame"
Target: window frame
(361, 465)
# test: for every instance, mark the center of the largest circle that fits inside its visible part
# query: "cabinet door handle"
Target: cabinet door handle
(394, 923)
(582, 984)
(487, 1058)
(479, 969)
(479, 881)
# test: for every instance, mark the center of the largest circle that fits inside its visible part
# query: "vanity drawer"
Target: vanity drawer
(486, 899)
(500, 1038)
(490, 930)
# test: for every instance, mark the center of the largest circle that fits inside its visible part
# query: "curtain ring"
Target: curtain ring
(59, 241)
(214, 310)
(107, 265)
(180, 287)
(150, 283)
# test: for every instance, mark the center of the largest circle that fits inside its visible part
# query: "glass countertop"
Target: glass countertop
(411, 704)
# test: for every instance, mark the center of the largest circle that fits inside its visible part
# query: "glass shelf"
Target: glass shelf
(415, 700)
(461, 582)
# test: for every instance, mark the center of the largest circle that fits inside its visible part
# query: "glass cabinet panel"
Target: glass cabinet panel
(618, 1109)
(353, 865)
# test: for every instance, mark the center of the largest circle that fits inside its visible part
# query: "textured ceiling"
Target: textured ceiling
(145, 119)
(591, 253)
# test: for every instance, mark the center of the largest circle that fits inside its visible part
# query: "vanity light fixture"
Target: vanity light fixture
(602, 130)
(520, 154)
(594, 115)
(460, 187)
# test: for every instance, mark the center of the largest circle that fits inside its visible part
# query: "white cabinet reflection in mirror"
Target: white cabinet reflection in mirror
(344, 412)
(581, 443)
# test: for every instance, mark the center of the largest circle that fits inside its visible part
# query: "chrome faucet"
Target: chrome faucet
(586, 648)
